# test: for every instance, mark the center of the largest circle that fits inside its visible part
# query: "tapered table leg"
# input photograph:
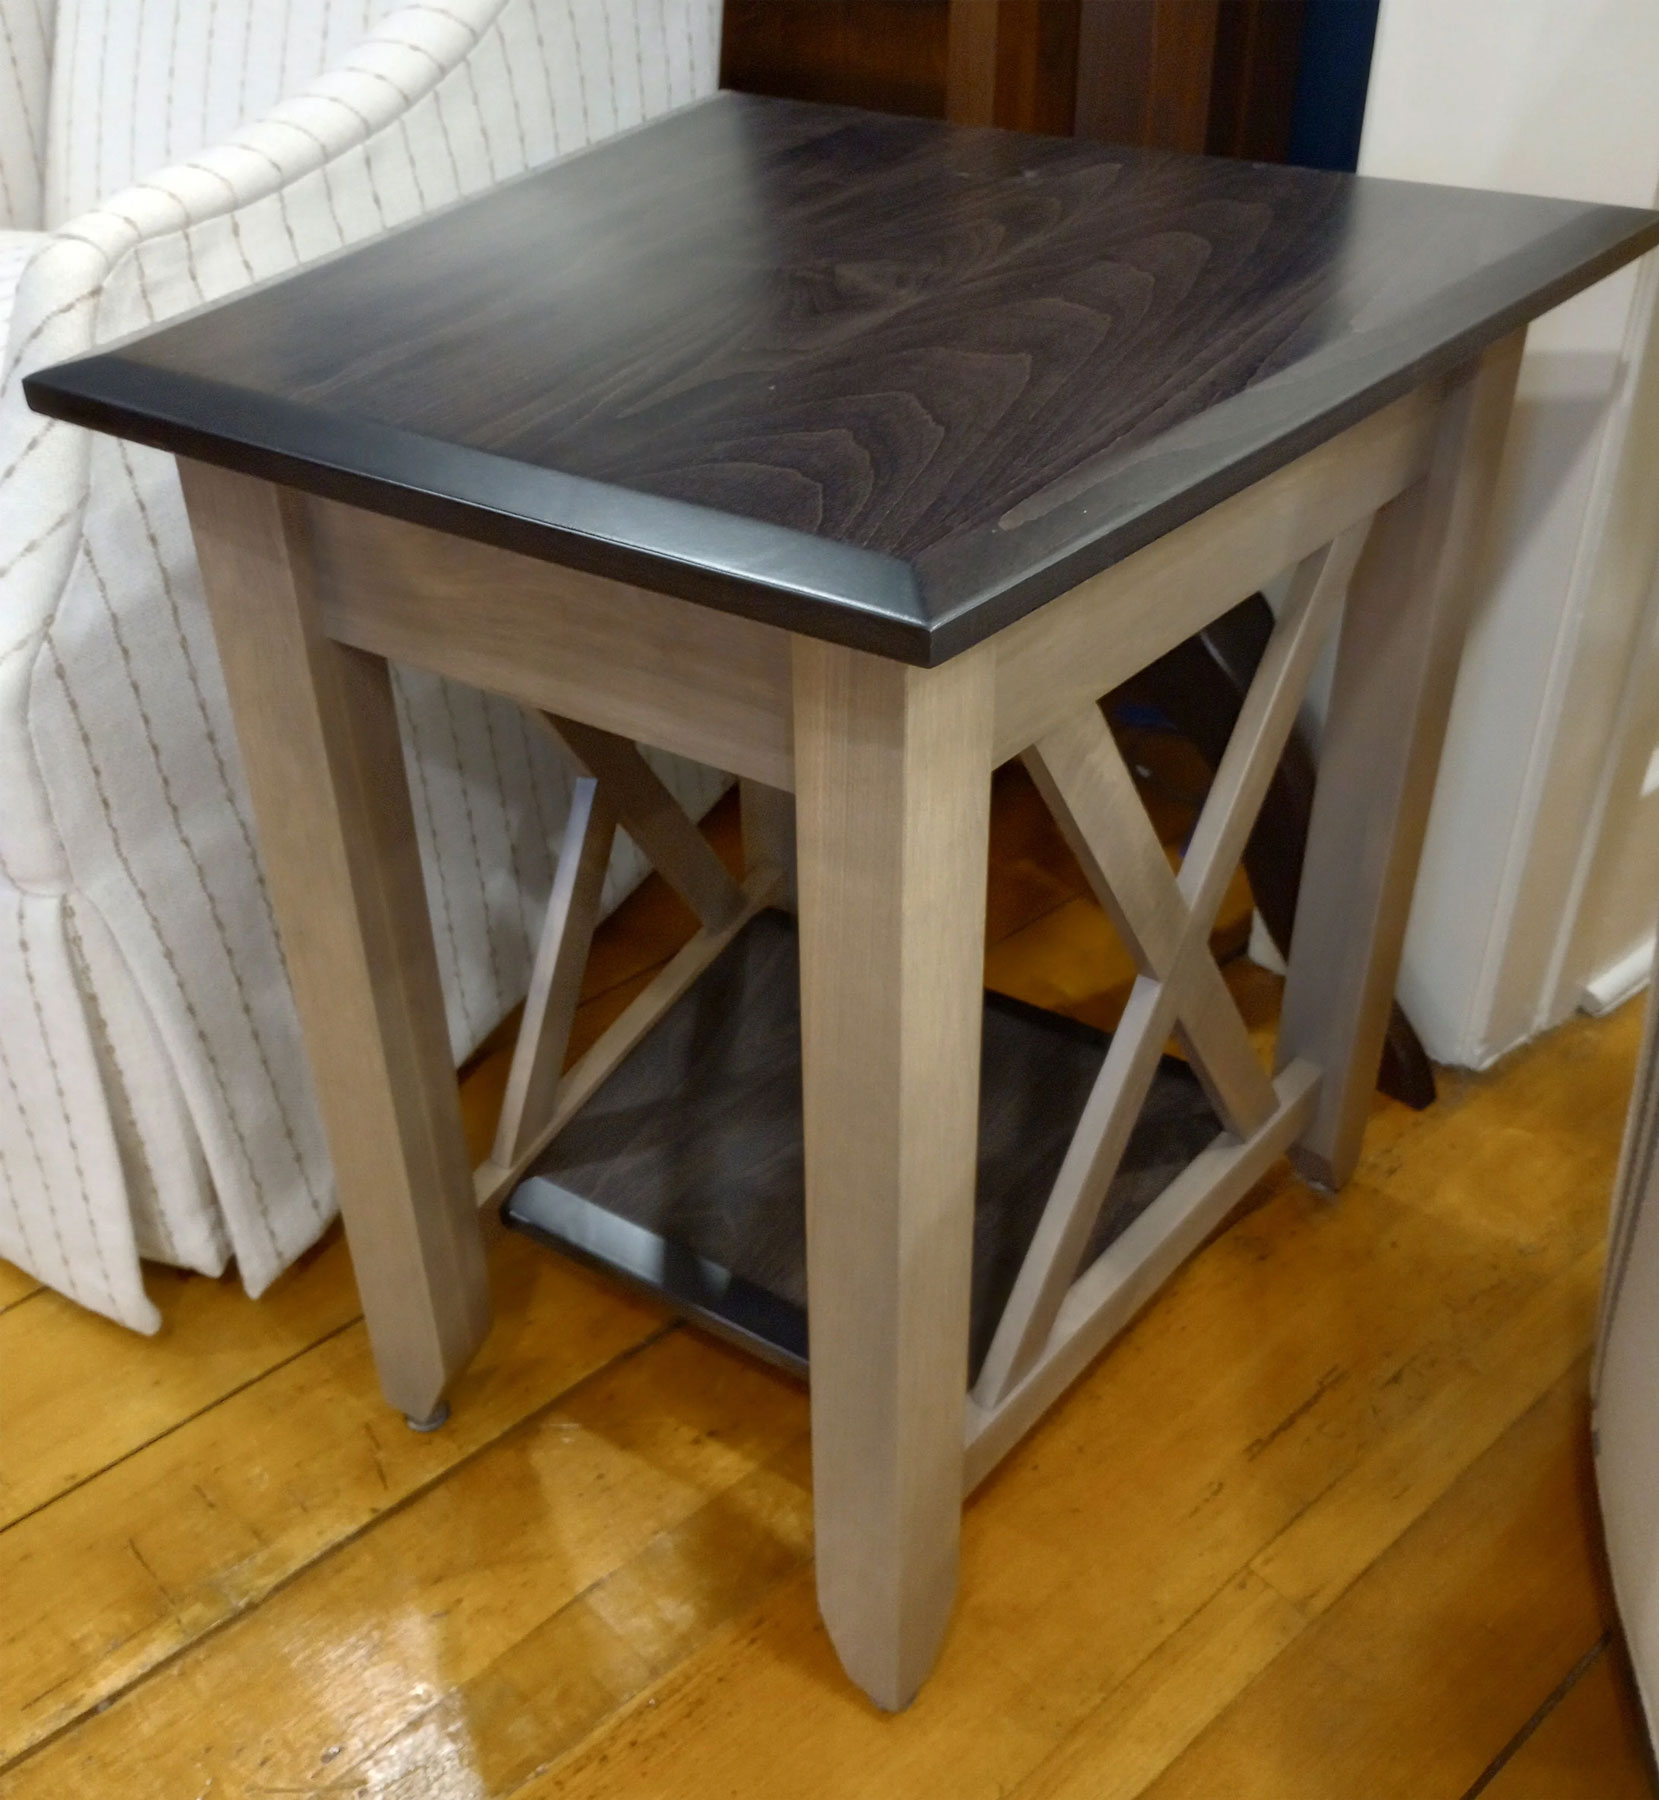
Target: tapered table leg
(324, 763)
(1397, 661)
(892, 768)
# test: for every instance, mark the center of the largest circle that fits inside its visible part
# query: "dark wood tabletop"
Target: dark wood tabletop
(882, 380)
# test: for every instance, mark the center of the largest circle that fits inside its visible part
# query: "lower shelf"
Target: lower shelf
(684, 1173)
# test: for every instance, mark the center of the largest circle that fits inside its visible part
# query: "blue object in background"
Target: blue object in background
(1334, 73)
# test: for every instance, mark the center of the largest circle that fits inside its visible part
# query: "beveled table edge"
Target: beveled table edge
(746, 566)
(923, 612)
(1231, 446)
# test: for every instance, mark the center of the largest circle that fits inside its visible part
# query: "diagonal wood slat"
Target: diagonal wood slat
(556, 979)
(1082, 777)
(619, 789)
(654, 819)
(493, 1181)
(1109, 1293)
(1266, 718)
(1080, 1188)
(1166, 920)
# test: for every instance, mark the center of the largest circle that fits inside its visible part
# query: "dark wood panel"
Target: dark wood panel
(1253, 81)
(884, 380)
(885, 54)
(979, 62)
(1144, 71)
(971, 63)
(1147, 64)
(1036, 79)
(697, 1136)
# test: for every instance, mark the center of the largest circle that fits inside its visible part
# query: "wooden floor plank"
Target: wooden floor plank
(1428, 1666)
(80, 1392)
(356, 1651)
(1308, 1566)
(1515, 1142)
(15, 1285)
(1113, 1526)
(1240, 1457)
(1327, 1547)
(1320, 1435)
(1590, 1746)
(199, 1525)
(1145, 1723)
(601, 1650)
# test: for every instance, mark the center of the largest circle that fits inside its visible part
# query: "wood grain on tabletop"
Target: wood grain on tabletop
(1358, 1413)
(883, 380)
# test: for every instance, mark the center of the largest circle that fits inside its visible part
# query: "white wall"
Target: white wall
(1608, 948)
(1554, 97)
(1599, 937)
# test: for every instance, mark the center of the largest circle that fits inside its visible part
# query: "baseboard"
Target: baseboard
(1618, 981)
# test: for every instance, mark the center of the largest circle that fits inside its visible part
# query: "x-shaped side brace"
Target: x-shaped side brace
(619, 788)
(1166, 921)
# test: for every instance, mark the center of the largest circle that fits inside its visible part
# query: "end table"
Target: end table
(852, 455)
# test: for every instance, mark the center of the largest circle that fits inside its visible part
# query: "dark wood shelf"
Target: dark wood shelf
(684, 1173)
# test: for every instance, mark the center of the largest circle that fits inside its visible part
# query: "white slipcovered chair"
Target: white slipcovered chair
(156, 154)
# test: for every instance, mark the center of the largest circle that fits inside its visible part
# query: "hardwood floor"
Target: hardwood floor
(1321, 1523)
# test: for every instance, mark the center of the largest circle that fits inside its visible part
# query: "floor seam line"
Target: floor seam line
(179, 1424)
(330, 1551)
(1550, 1702)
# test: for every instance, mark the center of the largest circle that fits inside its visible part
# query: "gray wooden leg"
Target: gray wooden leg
(769, 835)
(892, 768)
(1397, 661)
(320, 744)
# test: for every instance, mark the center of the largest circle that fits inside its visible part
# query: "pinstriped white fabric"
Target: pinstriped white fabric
(16, 247)
(140, 84)
(25, 74)
(153, 1096)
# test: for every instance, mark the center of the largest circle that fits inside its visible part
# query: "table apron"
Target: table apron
(1088, 641)
(716, 687)
(657, 670)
